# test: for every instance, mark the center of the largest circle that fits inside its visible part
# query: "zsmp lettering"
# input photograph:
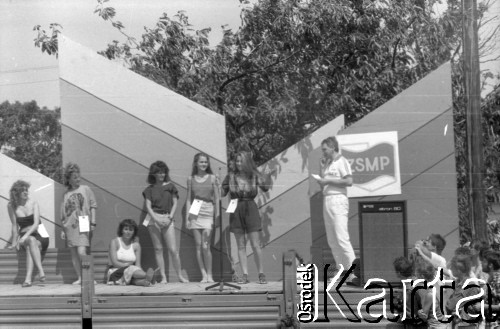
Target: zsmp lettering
(378, 163)
(307, 308)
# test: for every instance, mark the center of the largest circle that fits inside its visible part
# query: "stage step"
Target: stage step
(56, 264)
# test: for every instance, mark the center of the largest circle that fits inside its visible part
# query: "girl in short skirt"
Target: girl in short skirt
(203, 187)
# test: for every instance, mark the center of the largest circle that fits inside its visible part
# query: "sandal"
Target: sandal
(262, 278)
(42, 279)
(26, 284)
(235, 278)
(243, 279)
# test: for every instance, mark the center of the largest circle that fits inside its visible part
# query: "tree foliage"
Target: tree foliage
(32, 136)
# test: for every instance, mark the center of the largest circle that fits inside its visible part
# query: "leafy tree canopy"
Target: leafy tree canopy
(32, 136)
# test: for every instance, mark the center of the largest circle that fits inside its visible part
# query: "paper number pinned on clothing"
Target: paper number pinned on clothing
(232, 206)
(195, 207)
(84, 224)
(42, 231)
(146, 220)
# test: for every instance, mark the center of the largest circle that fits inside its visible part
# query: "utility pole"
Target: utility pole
(477, 200)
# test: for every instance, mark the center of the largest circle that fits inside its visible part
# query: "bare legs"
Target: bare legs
(168, 235)
(33, 258)
(155, 234)
(203, 253)
(242, 250)
(76, 259)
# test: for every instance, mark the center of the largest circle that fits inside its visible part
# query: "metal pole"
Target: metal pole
(477, 200)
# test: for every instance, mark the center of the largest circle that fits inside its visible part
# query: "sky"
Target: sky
(26, 74)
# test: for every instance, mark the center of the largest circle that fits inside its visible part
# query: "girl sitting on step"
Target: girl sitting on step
(24, 214)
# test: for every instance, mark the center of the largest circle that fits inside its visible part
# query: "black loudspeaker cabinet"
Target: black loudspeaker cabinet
(383, 238)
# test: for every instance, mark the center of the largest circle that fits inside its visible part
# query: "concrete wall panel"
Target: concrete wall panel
(140, 97)
(125, 134)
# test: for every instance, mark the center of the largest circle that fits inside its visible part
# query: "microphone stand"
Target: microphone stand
(221, 282)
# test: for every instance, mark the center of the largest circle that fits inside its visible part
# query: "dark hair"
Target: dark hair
(438, 241)
(462, 263)
(331, 142)
(197, 157)
(157, 167)
(481, 248)
(403, 266)
(426, 271)
(493, 258)
(127, 223)
(69, 169)
(15, 192)
(463, 251)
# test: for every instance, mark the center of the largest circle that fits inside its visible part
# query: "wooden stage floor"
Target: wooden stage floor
(191, 288)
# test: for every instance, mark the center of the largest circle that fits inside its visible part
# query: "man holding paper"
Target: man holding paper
(335, 176)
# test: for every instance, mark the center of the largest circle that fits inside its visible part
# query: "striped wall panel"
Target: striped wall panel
(149, 102)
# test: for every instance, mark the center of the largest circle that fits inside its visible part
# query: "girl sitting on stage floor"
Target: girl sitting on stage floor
(202, 187)
(242, 185)
(125, 258)
(161, 202)
(25, 214)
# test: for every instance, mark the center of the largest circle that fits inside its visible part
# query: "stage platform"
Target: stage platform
(190, 288)
(172, 305)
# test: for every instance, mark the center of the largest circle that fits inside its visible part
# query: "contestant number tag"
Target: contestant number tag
(195, 207)
(42, 231)
(146, 220)
(232, 206)
(84, 224)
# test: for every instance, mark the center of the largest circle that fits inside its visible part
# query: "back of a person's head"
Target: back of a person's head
(438, 241)
(403, 266)
(426, 270)
(462, 264)
(493, 259)
(481, 247)
(463, 251)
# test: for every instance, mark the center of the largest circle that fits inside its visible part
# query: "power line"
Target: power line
(26, 83)
(30, 69)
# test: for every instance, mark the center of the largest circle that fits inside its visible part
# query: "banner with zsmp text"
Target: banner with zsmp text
(374, 160)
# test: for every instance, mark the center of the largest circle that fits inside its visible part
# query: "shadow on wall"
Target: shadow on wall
(266, 223)
(304, 147)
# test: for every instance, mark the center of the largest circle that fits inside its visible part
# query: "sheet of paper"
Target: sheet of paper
(316, 176)
(232, 206)
(195, 207)
(42, 231)
(84, 224)
(146, 220)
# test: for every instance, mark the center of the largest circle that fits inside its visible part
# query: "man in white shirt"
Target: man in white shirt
(335, 177)
(431, 248)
